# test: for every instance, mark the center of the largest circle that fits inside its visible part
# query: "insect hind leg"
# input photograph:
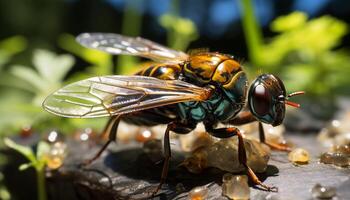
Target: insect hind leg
(242, 156)
(111, 127)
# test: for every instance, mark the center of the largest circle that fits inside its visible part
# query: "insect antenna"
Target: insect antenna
(290, 103)
(295, 93)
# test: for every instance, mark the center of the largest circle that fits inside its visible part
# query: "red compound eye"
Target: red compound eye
(261, 100)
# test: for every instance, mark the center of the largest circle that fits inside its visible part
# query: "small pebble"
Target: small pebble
(235, 187)
(340, 160)
(55, 157)
(144, 135)
(26, 131)
(299, 156)
(344, 149)
(323, 192)
(198, 193)
(327, 158)
(337, 159)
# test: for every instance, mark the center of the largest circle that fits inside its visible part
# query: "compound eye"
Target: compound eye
(261, 100)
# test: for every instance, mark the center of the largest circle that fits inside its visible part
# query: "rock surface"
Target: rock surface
(125, 172)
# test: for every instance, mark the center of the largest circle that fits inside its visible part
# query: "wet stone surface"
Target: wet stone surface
(125, 172)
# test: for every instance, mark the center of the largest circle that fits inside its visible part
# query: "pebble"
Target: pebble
(224, 155)
(196, 139)
(337, 159)
(299, 156)
(56, 155)
(198, 193)
(144, 135)
(26, 131)
(323, 192)
(235, 187)
(344, 149)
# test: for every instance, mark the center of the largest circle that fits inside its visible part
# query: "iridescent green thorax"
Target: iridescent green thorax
(223, 105)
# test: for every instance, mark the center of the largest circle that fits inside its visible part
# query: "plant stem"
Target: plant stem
(41, 184)
(252, 32)
(131, 26)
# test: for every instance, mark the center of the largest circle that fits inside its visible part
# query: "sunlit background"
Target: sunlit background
(305, 42)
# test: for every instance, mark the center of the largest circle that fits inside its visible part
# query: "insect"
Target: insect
(179, 90)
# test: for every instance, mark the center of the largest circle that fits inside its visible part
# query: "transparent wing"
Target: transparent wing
(119, 44)
(115, 95)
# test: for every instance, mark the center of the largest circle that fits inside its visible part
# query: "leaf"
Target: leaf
(13, 45)
(29, 75)
(25, 166)
(25, 151)
(51, 66)
(9, 80)
(289, 22)
(43, 148)
(68, 43)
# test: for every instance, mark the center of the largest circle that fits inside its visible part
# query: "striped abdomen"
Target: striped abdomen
(220, 71)
(160, 115)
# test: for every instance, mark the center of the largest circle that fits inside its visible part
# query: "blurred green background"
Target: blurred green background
(305, 42)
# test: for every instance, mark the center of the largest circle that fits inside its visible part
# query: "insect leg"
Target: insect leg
(247, 117)
(242, 157)
(244, 117)
(271, 144)
(107, 127)
(176, 127)
(112, 137)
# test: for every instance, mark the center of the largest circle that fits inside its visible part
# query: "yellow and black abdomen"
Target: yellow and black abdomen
(162, 71)
(160, 115)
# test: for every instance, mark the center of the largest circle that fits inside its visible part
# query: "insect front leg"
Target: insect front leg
(111, 127)
(247, 117)
(242, 156)
(271, 144)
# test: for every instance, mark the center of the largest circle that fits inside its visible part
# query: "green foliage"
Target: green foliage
(181, 31)
(252, 32)
(304, 54)
(100, 63)
(4, 193)
(308, 39)
(37, 161)
(10, 47)
(25, 88)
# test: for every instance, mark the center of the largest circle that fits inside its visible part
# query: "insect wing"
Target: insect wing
(119, 44)
(115, 95)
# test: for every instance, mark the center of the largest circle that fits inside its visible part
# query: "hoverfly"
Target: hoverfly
(179, 90)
